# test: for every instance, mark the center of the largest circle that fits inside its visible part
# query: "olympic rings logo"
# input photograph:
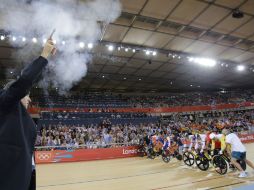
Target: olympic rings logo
(43, 156)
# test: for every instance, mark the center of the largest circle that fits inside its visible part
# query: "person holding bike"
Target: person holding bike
(238, 151)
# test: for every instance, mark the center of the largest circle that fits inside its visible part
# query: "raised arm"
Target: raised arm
(28, 77)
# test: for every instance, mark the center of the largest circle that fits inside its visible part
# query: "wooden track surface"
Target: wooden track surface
(135, 174)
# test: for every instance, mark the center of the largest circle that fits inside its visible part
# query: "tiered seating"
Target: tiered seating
(82, 118)
(101, 100)
(82, 101)
(99, 103)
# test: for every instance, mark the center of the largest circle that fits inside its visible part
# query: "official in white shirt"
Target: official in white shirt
(238, 151)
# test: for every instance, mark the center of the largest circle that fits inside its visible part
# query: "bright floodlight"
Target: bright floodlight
(63, 42)
(126, 49)
(147, 52)
(23, 39)
(191, 59)
(240, 68)
(203, 61)
(34, 40)
(110, 48)
(2, 37)
(90, 45)
(44, 40)
(154, 53)
(81, 44)
(133, 50)
(14, 38)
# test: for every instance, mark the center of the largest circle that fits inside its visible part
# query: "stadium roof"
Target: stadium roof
(176, 30)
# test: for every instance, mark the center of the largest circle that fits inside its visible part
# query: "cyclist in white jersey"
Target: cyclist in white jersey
(198, 141)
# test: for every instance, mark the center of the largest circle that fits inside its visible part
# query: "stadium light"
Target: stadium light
(44, 40)
(111, 47)
(154, 53)
(240, 68)
(203, 61)
(14, 38)
(133, 50)
(81, 44)
(126, 49)
(90, 45)
(2, 37)
(23, 39)
(34, 40)
(147, 52)
(63, 42)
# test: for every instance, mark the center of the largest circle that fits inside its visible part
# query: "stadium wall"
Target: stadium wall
(36, 110)
(60, 156)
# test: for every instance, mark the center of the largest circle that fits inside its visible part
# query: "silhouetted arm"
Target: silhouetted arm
(20, 88)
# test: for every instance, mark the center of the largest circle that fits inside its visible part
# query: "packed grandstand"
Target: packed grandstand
(101, 120)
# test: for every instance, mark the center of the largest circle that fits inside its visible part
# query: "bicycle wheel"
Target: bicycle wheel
(202, 163)
(142, 152)
(151, 153)
(220, 164)
(165, 157)
(179, 157)
(188, 158)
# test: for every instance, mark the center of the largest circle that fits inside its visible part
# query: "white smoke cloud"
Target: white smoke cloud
(72, 19)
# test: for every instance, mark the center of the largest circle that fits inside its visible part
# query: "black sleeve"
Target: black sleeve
(20, 88)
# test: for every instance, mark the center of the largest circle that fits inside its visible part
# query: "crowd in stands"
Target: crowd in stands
(87, 118)
(107, 134)
(82, 115)
(191, 99)
(98, 126)
(102, 101)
